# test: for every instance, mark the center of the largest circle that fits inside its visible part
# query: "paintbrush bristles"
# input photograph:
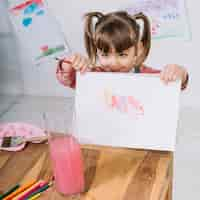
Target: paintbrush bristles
(14, 141)
(10, 141)
(6, 142)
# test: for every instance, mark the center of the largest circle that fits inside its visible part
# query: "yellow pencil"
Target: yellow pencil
(35, 196)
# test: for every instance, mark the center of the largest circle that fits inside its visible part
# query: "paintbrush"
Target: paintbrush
(14, 141)
(63, 60)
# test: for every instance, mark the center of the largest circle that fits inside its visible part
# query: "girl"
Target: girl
(119, 44)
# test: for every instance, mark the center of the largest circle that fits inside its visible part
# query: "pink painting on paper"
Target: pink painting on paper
(123, 104)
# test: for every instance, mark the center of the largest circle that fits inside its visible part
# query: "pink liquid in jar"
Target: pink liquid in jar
(67, 163)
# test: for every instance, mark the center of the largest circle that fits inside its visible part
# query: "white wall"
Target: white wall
(184, 53)
(40, 80)
(10, 71)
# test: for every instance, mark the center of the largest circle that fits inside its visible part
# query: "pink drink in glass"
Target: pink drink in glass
(67, 164)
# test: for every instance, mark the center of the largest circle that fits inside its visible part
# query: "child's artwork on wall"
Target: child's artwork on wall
(37, 29)
(168, 17)
(127, 110)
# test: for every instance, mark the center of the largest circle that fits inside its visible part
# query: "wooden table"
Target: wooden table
(110, 173)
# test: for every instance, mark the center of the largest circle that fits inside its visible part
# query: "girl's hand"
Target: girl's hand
(65, 72)
(80, 63)
(173, 72)
(67, 67)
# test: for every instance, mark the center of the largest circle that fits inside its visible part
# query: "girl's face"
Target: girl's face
(117, 62)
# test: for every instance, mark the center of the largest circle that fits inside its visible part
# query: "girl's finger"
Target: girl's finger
(175, 74)
(64, 80)
(82, 64)
(76, 63)
(73, 58)
(163, 76)
(173, 77)
(67, 82)
(64, 66)
(66, 75)
(163, 73)
(83, 69)
(171, 74)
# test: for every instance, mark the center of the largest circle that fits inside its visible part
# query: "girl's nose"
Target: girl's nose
(114, 62)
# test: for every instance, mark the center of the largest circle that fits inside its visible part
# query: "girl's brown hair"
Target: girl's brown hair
(116, 30)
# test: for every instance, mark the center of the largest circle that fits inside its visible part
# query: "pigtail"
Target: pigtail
(145, 37)
(89, 37)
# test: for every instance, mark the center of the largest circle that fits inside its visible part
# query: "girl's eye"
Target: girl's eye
(123, 54)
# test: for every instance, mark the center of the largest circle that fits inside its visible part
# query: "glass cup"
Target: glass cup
(66, 158)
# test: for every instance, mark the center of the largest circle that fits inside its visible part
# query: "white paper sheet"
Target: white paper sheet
(127, 110)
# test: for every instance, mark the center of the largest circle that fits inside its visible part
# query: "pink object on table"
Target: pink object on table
(19, 129)
(67, 164)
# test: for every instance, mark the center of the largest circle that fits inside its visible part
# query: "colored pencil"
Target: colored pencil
(19, 190)
(9, 191)
(40, 190)
(35, 196)
(30, 190)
